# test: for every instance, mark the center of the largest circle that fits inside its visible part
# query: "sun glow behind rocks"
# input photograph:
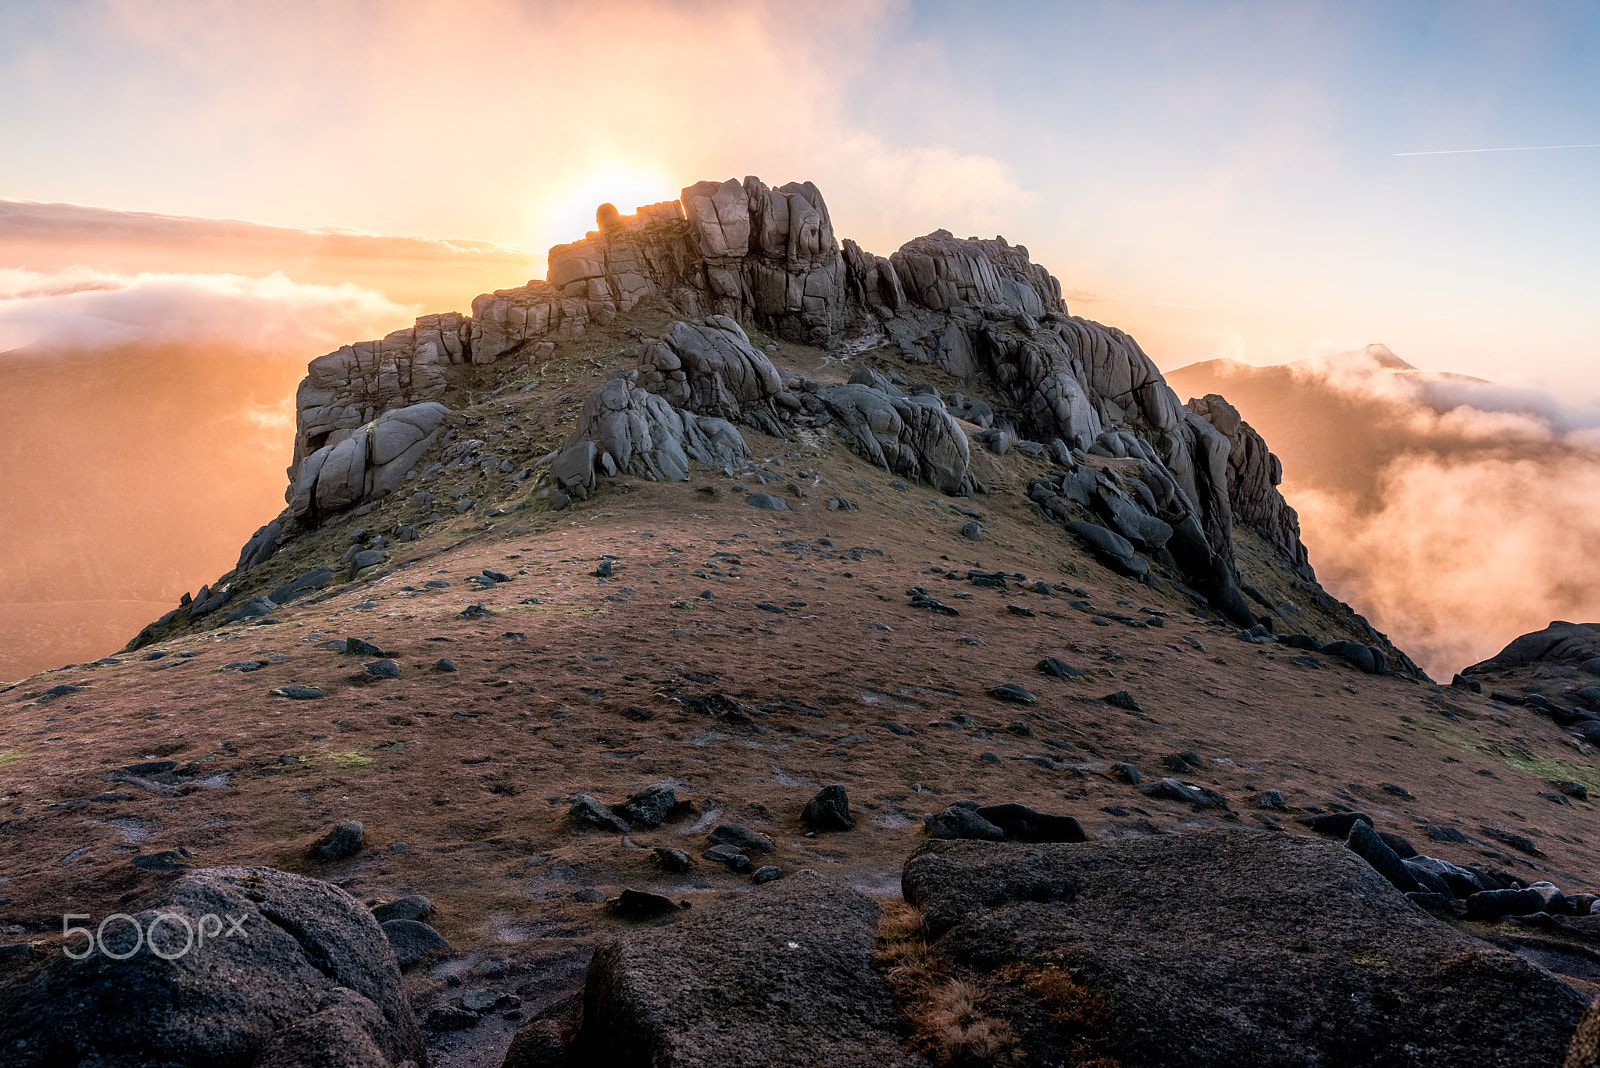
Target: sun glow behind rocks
(567, 211)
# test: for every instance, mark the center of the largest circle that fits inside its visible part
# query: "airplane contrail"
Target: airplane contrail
(1465, 151)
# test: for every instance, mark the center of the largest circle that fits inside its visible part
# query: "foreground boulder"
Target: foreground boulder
(781, 976)
(1231, 948)
(294, 972)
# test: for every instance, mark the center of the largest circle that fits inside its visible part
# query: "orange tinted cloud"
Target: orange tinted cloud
(1456, 514)
(439, 275)
(148, 427)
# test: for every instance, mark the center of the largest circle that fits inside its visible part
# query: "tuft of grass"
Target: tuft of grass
(9, 756)
(959, 1034)
(948, 1023)
(1073, 1007)
(349, 759)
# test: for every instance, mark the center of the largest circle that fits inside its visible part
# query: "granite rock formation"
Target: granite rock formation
(1254, 474)
(734, 252)
(731, 254)
(625, 428)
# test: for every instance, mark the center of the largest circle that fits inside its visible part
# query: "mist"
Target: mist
(1454, 513)
(148, 427)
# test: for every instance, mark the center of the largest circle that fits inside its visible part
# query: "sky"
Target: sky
(1223, 180)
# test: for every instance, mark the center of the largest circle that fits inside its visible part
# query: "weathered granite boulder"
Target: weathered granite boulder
(912, 436)
(1254, 474)
(710, 368)
(365, 464)
(624, 428)
(287, 972)
(257, 551)
(1230, 948)
(352, 386)
(983, 308)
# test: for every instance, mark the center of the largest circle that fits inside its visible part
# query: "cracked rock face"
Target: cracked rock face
(368, 463)
(709, 368)
(1254, 474)
(351, 386)
(625, 428)
(911, 436)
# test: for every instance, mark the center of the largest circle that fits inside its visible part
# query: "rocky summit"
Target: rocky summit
(740, 648)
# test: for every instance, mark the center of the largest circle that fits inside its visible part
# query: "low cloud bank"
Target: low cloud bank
(81, 310)
(1456, 514)
(148, 429)
(441, 275)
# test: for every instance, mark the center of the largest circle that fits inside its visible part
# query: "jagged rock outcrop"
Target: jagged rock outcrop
(625, 428)
(910, 435)
(353, 385)
(1254, 475)
(280, 971)
(742, 252)
(982, 308)
(1138, 507)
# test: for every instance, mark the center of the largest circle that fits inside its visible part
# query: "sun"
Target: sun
(569, 207)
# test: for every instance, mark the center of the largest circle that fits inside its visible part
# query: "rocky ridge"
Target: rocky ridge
(979, 312)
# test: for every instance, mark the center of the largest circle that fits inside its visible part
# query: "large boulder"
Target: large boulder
(710, 368)
(913, 436)
(1231, 948)
(365, 465)
(351, 386)
(782, 974)
(283, 972)
(625, 428)
(1253, 477)
(1567, 644)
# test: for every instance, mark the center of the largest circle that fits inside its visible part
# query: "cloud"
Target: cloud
(1464, 552)
(1453, 512)
(440, 274)
(917, 189)
(81, 309)
(65, 223)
